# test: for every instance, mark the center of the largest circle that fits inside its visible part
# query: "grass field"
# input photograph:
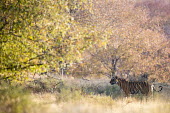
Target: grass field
(79, 96)
(101, 104)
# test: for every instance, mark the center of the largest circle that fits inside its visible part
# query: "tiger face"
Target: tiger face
(114, 80)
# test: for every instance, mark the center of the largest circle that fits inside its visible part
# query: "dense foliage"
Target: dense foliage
(84, 37)
(41, 35)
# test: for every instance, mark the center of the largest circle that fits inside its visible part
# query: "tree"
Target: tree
(132, 47)
(39, 35)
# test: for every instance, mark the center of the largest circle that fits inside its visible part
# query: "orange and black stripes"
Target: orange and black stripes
(130, 87)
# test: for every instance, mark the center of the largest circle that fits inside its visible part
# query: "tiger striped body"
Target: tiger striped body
(130, 87)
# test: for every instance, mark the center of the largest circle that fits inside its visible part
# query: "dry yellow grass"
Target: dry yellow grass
(101, 104)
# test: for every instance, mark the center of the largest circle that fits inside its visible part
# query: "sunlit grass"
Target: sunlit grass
(77, 98)
(105, 104)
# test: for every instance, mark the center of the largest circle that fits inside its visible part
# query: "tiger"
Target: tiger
(134, 87)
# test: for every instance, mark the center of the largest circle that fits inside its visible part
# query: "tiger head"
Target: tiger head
(114, 80)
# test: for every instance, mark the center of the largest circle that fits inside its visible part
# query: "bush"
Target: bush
(44, 85)
(67, 94)
(97, 87)
(14, 99)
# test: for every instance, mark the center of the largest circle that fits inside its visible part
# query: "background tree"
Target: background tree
(136, 44)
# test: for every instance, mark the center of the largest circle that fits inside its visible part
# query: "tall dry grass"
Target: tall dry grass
(97, 97)
(105, 104)
(63, 96)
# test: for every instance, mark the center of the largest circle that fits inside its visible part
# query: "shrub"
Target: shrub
(67, 94)
(44, 85)
(14, 99)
